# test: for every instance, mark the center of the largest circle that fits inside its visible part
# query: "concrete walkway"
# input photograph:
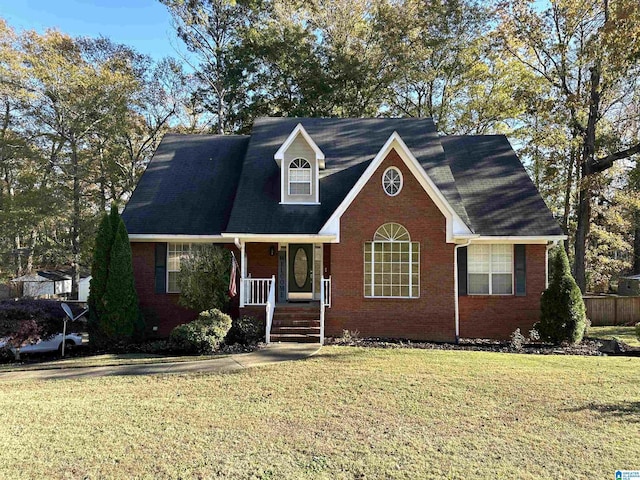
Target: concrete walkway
(274, 353)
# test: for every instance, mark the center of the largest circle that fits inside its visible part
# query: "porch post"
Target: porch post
(243, 269)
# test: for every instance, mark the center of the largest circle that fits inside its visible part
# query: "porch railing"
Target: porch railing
(271, 306)
(255, 291)
(325, 292)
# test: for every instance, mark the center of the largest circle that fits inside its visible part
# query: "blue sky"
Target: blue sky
(142, 24)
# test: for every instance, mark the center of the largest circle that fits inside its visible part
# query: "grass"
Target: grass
(344, 413)
(625, 334)
(104, 361)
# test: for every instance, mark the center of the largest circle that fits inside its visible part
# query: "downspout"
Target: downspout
(455, 286)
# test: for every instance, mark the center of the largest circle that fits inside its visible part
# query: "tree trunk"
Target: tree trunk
(636, 245)
(32, 246)
(586, 169)
(568, 188)
(75, 223)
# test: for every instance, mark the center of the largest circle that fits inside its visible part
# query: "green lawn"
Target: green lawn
(105, 360)
(344, 413)
(625, 334)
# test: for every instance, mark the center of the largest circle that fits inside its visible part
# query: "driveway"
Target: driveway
(274, 353)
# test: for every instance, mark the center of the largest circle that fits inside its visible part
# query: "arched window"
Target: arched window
(299, 177)
(392, 264)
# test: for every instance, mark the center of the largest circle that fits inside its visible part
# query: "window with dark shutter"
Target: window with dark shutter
(520, 269)
(462, 271)
(161, 268)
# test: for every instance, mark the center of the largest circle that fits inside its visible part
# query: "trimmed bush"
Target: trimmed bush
(562, 311)
(203, 335)
(246, 330)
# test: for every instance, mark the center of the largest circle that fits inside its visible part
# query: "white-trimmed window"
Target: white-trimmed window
(490, 269)
(175, 253)
(392, 264)
(392, 181)
(299, 177)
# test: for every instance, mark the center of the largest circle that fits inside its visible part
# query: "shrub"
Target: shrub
(204, 334)
(246, 330)
(517, 340)
(204, 278)
(114, 315)
(47, 314)
(562, 311)
(638, 330)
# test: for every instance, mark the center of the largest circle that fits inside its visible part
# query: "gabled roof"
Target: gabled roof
(349, 145)
(207, 184)
(299, 130)
(188, 187)
(497, 192)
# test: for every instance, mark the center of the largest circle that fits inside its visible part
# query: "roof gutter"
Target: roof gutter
(455, 286)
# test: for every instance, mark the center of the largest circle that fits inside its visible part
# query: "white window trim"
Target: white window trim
(372, 263)
(289, 181)
(401, 181)
(513, 275)
(173, 271)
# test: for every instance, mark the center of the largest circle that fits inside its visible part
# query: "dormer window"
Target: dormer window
(300, 161)
(299, 177)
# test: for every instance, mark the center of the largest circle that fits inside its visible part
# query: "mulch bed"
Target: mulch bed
(588, 347)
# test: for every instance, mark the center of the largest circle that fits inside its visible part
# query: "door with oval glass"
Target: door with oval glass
(300, 271)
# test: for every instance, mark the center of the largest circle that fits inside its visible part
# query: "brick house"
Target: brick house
(375, 225)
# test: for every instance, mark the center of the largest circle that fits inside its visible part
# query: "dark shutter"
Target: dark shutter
(520, 269)
(161, 268)
(462, 271)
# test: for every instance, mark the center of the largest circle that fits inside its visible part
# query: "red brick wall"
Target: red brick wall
(161, 309)
(430, 317)
(497, 316)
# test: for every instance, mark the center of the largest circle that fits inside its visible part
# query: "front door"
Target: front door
(301, 271)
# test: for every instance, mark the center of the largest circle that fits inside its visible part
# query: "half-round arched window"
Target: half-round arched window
(392, 263)
(391, 232)
(299, 177)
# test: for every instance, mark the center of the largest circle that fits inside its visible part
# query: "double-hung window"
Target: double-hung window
(490, 269)
(392, 264)
(175, 253)
(299, 177)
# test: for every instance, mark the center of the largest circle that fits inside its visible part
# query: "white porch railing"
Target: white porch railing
(325, 293)
(325, 301)
(271, 306)
(255, 291)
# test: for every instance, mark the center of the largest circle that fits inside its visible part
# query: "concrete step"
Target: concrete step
(295, 338)
(297, 330)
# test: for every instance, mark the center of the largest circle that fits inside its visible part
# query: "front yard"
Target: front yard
(345, 413)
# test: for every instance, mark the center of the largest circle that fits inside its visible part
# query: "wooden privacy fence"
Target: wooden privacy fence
(605, 310)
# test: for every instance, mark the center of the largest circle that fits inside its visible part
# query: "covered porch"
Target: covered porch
(290, 283)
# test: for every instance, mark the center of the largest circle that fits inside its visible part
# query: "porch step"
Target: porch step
(297, 330)
(295, 338)
(295, 322)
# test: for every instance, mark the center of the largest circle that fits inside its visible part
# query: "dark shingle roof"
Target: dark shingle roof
(496, 190)
(208, 184)
(349, 146)
(188, 187)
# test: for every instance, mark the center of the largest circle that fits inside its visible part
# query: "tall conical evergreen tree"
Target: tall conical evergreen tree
(99, 274)
(120, 299)
(113, 301)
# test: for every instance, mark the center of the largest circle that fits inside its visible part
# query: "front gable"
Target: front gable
(300, 160)
(395, 146)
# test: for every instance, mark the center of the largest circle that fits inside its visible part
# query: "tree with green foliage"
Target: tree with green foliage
(113, 301)
(562, 310)
(121, 318)
(99, 275)
(204, 278)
